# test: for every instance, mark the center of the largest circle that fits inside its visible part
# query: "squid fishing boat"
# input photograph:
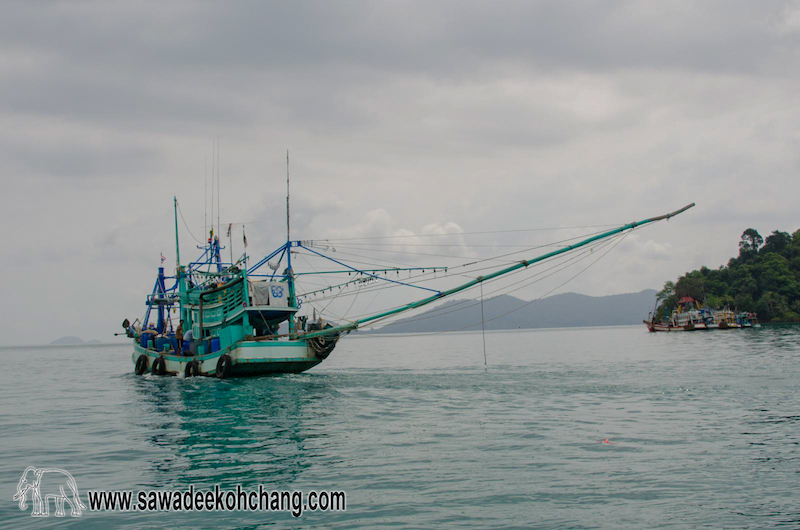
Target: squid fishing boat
(686, 317)
(689, 316)
(235, 320)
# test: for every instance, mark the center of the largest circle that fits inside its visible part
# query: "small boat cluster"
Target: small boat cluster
(691, 316)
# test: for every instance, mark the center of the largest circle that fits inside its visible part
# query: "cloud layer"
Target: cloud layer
(402, 119)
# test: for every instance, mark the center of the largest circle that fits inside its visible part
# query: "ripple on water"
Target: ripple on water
(702, 430)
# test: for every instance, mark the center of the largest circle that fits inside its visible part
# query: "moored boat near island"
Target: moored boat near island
(689, 316)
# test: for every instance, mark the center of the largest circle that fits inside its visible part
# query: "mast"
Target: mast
(205, 196)
(480, 279)
(289, 272)
(219, 227)
(213, 164)
(177, 244)
(287, 196)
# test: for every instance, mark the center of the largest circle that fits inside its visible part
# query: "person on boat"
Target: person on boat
(188, 337)
(179, 339)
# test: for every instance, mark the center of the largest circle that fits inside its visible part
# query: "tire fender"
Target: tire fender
(224, 366)
(141, 365)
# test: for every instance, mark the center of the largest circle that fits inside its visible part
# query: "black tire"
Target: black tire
(224, 366)
(159, 367)
(192, 369)
(141, 364)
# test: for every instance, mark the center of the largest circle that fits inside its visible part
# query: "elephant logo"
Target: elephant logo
(45, 484)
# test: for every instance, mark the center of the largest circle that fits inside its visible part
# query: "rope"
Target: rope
(427, 276)
(583, 253)
(530, 302)
(185, 224)
(467, 233)
(483, 328)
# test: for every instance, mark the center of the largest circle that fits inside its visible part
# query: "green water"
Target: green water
(704, 430)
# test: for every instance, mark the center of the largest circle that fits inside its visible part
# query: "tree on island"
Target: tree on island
(750, 242)
(765, 278)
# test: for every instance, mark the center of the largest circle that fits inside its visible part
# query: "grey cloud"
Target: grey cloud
(438, 38)
(79, 161)
(490, 116)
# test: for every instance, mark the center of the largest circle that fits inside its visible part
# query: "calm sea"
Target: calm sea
(703, 429)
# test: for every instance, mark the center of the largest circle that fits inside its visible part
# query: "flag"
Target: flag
(230, 225)
(163, 259)
(244, 238)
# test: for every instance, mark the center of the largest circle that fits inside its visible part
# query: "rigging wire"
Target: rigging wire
(520, 271)
(186, 224)
(376, 265)
(302, 256)
(468, 245)
(531, 301)
(451, 268)
(465, 233)
(426, 277)
(351, 305)
(405, 252)
(483, 328)
(494, 258)
(563, 265)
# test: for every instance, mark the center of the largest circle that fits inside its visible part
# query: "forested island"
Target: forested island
(765, 278)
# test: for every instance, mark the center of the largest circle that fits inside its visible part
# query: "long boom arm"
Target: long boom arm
(511, 268)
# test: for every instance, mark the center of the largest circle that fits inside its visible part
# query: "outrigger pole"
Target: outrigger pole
(480, 279)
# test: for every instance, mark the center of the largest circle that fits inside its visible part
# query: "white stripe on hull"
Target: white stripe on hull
(248, 358)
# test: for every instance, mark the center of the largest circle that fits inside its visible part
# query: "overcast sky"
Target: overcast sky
(401, 118)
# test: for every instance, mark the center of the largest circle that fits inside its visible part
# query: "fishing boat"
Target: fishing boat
(724, 318)
(239, 321)
(686, 317)
(747, 319)
(690, 316)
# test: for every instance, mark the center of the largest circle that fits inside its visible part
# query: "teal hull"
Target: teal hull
(247, 359)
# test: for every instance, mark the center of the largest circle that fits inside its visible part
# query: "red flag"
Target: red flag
(230, 225)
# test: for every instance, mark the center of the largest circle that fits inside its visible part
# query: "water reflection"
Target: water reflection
(770, 337)
(247, 431)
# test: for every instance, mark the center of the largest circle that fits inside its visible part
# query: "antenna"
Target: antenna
(287, 195)
(219, 226)
(213, 154)
(177, 242)
(205, 198)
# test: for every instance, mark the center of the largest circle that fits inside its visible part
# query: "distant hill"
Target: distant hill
(71, 340)
(508, 312)
(68, 341)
